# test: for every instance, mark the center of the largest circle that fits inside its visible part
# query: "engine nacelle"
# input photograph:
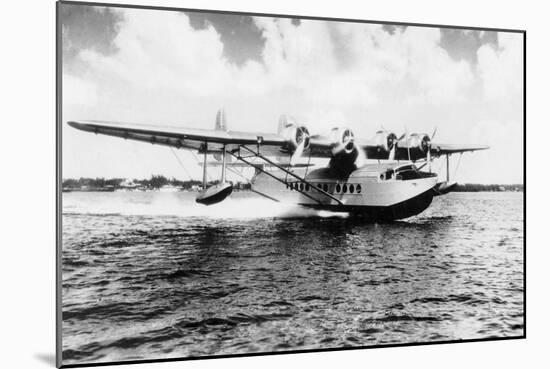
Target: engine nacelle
(385, 141)
(345, 153)
(294, 135)
(342, 140)
(419, 141)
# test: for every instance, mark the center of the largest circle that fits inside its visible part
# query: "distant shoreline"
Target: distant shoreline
(161, 183)
(475, 187)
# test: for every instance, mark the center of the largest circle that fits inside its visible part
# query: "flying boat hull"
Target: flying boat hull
(376, 192)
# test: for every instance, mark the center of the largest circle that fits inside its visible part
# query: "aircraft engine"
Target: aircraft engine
(385, 141)
(342, 141)
(346, 155)
(420, 142)
(296, 137)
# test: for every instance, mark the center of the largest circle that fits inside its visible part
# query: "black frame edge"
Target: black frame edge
(58, 179)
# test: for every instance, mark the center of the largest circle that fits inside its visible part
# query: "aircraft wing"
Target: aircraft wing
(188, 138)
(271, 144)
(195, 139)
(403, 153)
(449, 149)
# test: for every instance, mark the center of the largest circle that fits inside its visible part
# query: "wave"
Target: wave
(403, 318)
(460, 298)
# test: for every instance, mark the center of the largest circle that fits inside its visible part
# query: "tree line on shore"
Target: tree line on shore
(159, 181)
(475, 187)
(152, 183)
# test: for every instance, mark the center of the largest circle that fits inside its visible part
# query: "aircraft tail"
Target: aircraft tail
(221, 125)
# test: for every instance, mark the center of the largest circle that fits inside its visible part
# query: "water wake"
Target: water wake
(166, 204)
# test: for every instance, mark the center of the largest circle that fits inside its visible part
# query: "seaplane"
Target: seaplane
(382, 178)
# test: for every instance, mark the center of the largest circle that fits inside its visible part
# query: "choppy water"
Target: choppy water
(153, 275)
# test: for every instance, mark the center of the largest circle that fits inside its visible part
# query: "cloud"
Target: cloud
(343, 64)
(78, 91)
(317, 63)
(162, 51)
(501, 69)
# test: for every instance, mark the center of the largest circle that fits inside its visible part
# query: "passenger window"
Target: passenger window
(351, 188)
(345, 188)
(337, 188)
(325, 187)
(358, 188)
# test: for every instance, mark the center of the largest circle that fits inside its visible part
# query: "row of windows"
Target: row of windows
(335, 188)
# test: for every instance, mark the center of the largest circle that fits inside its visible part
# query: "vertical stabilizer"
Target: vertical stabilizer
(221, 125)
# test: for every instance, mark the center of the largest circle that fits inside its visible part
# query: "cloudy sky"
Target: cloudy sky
(178, 68)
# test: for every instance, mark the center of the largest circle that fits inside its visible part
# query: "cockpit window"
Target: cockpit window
(405, 168)
(406, 173)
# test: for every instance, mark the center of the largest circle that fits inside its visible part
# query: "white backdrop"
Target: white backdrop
(28, 182)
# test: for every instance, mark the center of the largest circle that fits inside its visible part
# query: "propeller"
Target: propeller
(387, 141)
(302, 137)
(297, 153)
(408, 143)
(429, 150)
(435, 131)
(345, 143)
(425, 145)
(429, 157)
(361, 156)
(347, 154)
(394, 148)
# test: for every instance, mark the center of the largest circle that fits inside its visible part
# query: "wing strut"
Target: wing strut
(223, 165)
(447, 166)
(257, 154)
(443, 188)
(204, 169)
(217, 192)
